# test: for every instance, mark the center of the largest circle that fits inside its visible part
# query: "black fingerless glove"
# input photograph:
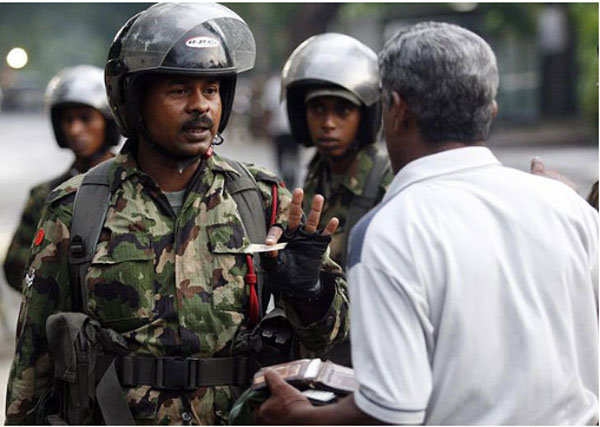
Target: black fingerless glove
(295, 271)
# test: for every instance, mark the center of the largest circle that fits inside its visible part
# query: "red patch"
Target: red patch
(208, 153)
(39, 237)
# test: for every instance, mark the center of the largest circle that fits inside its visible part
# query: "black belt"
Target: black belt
(183, 373)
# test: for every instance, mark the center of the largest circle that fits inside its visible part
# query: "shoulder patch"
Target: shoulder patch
(65, 189)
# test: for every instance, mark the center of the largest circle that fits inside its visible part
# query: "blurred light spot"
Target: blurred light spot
(17, 58)
(463, 7)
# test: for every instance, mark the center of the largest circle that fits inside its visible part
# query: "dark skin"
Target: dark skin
(287, 406)
(84, 130)
(171, 110)
(333, 124)
(182, 115)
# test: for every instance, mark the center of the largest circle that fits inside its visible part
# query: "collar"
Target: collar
(126, 164)
(438, 164)
(355, 177)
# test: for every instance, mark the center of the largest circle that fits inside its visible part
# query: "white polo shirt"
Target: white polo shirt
(473, 297)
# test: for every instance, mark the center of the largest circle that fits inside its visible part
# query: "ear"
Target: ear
(398, 109)
(494, 109)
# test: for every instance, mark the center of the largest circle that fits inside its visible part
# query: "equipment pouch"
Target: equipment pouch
(272, 341)
(85, 380)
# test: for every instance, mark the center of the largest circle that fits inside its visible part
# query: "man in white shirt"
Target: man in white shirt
(473, 286)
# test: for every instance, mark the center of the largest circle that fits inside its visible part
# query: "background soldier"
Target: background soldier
(170, 273)
(331, 85)
(81, 120)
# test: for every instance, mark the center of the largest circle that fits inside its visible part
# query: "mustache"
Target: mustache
(202, 121)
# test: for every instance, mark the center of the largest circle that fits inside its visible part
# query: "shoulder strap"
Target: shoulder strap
(244, 190)
(89, 211)
(362, 204)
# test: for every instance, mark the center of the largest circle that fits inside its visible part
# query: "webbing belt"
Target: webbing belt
(174, 373)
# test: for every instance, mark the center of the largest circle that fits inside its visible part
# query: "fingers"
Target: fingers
(315, 214)
(332, 225)
(280, 388)
(295, 215)
(274, 381)
(537, 166)
(273, 235)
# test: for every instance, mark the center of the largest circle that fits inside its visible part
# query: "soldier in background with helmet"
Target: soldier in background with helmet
(82, 122)
(331, 85)
(170, 273)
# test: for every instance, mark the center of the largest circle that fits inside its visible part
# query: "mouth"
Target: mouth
(78, 143)
(195, 133)
(327, 142)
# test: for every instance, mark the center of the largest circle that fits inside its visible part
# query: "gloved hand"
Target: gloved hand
(295, 270)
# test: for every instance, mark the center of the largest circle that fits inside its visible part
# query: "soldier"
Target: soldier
(331, 85)
(170, 274)
(81, 120)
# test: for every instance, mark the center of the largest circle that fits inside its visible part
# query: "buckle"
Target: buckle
(175, 373)
(77, 247)
(172, 373)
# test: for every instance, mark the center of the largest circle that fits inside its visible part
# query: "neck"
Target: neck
(83, 164)
(163, 170)
(339, 165)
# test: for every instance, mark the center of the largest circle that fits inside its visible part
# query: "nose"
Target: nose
(197, 102)
(329, 121)
(75, 128)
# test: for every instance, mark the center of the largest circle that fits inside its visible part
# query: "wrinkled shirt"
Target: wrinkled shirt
(170, 285)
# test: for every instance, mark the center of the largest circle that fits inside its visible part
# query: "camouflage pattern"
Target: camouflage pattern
(339, 191)
(171, 286)
(18, 251)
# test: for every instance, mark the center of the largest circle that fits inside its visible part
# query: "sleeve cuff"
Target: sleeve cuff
(387, 412)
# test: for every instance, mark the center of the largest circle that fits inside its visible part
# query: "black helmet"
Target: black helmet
(194, 39)
(334, 61)
(80, 85)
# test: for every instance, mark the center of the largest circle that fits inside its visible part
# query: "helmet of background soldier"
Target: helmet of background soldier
(192, 39)
(332, 60)
(82, 85)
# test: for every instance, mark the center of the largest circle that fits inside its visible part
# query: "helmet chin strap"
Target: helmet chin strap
(182, 161)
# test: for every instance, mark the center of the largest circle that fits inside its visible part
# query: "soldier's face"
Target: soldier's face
(182, 113)
(333, 124)
(84, 130)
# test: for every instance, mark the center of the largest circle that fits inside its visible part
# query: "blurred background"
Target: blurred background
(548, 96)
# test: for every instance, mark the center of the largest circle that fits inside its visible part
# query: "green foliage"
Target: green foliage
(57, 35)
(503, 19)
(585, 19)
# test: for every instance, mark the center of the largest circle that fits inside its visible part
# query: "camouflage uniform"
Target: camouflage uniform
(339, 191)
(16, 256)
(170, 285)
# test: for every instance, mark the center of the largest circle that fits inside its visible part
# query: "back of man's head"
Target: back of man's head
(448, 77)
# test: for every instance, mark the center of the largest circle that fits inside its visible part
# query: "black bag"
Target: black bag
(86, 388)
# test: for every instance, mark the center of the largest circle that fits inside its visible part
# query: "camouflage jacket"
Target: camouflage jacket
(16, 256)
(339, 192)
(170, 285)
